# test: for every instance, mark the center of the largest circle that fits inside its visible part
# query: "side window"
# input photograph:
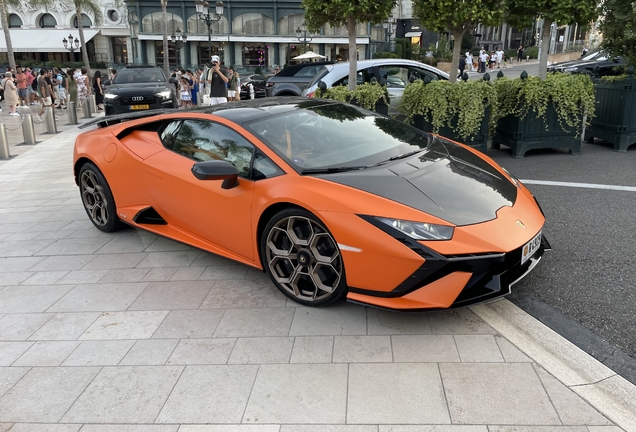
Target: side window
(422, 73)
(169, 133)
(395, 76)
(203, 140)
(263, 167)
(362, 76)
(307, 71)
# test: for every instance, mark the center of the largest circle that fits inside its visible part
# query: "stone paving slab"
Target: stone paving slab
(129, 332)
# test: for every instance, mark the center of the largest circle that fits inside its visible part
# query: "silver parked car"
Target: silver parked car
(395, 73)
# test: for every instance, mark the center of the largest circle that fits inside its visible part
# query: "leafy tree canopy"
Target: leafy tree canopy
(346, 12)
(619, 28)
(457, 17)
(337, 12)
(521, 13)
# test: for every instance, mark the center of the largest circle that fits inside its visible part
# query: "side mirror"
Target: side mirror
(173, 80)
(106, 83)
(382, 81)
(217, 170)
(322, 85)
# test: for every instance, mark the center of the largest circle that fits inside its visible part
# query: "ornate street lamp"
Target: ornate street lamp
(70, 44)
(203, 13)
(304, 39)
(178, 39)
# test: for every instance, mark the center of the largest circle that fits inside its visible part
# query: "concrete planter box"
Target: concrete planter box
(615, 119)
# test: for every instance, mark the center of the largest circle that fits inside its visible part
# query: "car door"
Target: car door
(203, 207)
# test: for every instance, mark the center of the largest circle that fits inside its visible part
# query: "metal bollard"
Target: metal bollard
(93, 103)
(4, 143)
(72, 113)
(28, 131)
(49, 118)
(86, 108)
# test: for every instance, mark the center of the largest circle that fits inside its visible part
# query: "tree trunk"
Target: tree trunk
(80, 29)
(457, 51)
(166, 57)
(353, 54)
(7, 34)
(545, 48)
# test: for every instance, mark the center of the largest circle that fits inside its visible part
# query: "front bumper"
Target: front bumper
(475, 278)
(116, 106)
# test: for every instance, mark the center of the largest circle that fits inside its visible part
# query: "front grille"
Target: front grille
(150, 99)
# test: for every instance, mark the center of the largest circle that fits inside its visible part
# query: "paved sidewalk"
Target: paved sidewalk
(131, 332)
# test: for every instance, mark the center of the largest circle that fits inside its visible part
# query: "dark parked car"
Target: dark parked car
(292, 80)
(607, 64)
(257, 81)
(140, 88)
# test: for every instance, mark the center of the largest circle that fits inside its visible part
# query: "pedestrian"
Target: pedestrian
(461, 67)
(83, 87)
(217, 79)
(10, 93)
(113, 74)
(72, 87)
(34, 88)
(520, 54)
(483, 59)
(469, 61)
(493, 60)
(231, 85)
(499, 53)
(184, 92)
(584, 52)
(44, 90)
(21, 80)
(52, 79)
(98, 90)
(62, 80)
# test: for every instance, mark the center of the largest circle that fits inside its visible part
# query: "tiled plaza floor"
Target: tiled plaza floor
(132, 332)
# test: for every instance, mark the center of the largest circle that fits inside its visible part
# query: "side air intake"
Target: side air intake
(149, 216)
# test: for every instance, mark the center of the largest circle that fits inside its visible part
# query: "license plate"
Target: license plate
(139, 107)
(530, 248)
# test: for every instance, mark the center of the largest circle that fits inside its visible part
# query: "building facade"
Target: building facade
(250, 33)
(37, 34)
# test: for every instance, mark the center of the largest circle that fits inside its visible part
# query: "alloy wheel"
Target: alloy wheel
(303, 258)
(94, 198)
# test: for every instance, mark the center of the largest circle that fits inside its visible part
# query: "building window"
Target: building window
(197, 26)
(153, 23)
(361, 30)
(172, 55)
(15, 21)
(47, 21)
(113, 15)
(287, 25)
(120, 50)
(86, 21)
(254, 54)
(253, 24)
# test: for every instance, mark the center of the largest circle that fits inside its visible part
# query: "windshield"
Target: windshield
(337, 136)
(126, 76)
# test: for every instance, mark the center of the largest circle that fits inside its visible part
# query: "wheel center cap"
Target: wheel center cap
(304, 258)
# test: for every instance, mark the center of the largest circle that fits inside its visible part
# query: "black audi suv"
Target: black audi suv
(139, 88)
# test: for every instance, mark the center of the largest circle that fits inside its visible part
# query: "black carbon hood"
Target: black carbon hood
(445, 180)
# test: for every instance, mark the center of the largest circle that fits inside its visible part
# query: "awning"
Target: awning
(413, 34)
(42, 40)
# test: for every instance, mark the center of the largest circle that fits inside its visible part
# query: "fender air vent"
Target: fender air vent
(149, 216)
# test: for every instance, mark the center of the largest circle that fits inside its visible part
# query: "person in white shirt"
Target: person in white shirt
(469, 61)
(483, 59)
(500, 55)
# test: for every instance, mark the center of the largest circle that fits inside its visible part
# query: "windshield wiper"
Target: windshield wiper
(331, 170)
(405, 155)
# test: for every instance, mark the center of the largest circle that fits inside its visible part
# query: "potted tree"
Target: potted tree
(462, 111)
(536, 114)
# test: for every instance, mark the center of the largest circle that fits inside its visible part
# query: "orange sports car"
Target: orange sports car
(330, 200)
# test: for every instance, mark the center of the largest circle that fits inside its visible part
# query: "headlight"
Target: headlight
(110, 96)
(571, 69)
(165, 94)
(420, 230)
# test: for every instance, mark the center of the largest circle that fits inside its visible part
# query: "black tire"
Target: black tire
(98, 199)
(295, 236)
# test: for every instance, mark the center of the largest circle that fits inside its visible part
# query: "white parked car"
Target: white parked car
(395, 73)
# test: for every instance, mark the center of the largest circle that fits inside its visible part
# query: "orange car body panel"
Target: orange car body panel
(202, 214)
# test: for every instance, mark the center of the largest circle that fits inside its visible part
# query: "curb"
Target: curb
(600, 386)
